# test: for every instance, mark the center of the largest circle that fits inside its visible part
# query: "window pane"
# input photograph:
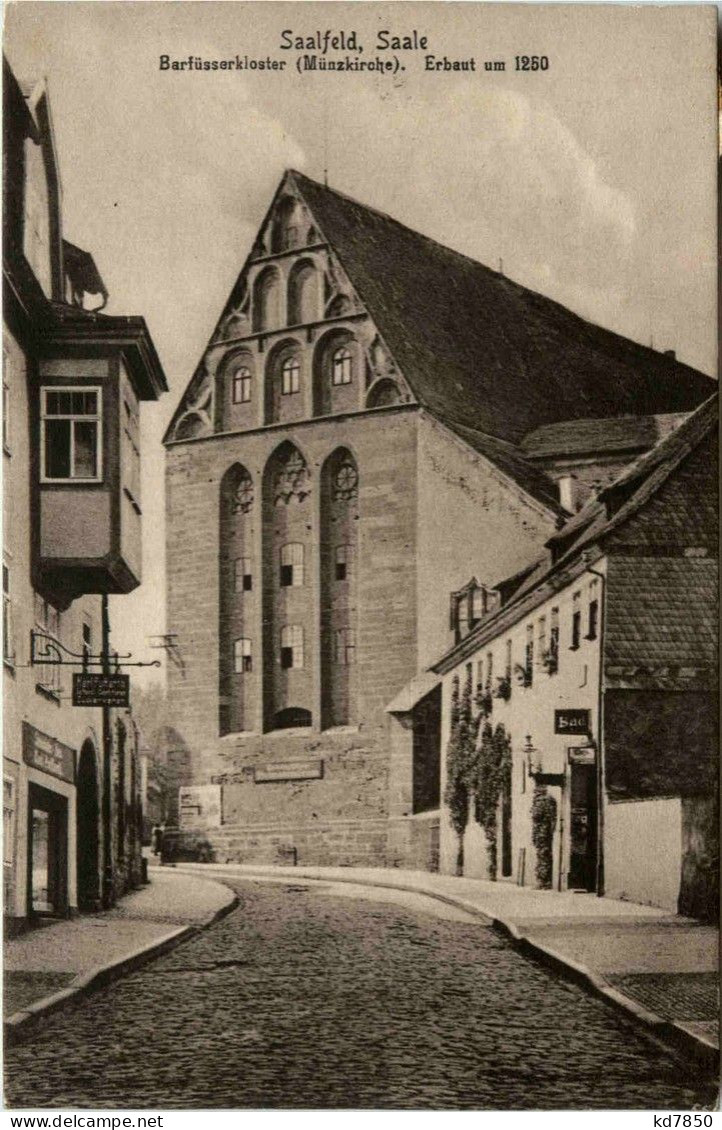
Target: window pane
(86, 434)
(90, 402)
(57, 449)
(51, 403)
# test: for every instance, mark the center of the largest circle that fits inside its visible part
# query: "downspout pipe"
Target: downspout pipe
(600, 730)
(107, 891)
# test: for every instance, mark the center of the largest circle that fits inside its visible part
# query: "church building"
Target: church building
(371, 440)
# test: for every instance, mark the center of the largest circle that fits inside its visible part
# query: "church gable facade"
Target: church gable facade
(294, 341)
(320, 510)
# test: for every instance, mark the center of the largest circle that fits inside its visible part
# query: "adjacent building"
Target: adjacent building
(370, 425)
(73, 382)
(594, 695)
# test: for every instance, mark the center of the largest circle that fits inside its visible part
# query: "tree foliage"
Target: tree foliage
(543, 824)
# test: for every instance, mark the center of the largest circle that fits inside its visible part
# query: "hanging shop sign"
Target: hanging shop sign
(40, 751)
(582, 755)
(571, 722)
(92, 689)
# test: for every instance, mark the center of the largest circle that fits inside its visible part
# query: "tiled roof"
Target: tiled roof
(481, 350)
(512, 462)
(662, 612)
(600, 519)
(580, 437)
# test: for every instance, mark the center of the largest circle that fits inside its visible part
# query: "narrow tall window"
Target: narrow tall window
(576, 620)
(477, 605)
(8, 821)
(542, 640)
(8, 640)
(342, 563)
(242, 385)
(242, 575)
(489, 668)
(290, 376)
(508, 661)
(553, 664)
(529, 656)
(345, 646)
(242, 656)
(291, 565)
(292, 646)
(593, 610)
(71, 434)
(342, 366)
(48, 620)
(6, 407)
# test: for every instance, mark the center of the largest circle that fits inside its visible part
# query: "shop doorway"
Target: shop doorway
(583, 828)
(87, 821)
(47, 852)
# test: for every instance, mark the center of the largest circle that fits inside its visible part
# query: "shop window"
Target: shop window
(71, 435)
(243, 578)
(345, 649)
(342, 370)
(241, 385)
(242, 656)
(291, 565)
(291, 646)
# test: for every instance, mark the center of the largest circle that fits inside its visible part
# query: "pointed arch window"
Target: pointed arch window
(290, 376)
(241, 385)
(243, 495)
(342, 367)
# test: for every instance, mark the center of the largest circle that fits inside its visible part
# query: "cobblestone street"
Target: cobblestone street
(307, 997)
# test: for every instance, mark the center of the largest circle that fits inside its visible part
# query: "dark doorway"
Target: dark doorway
(292, 717)
(88, 816)
(506, 861)
(427, 753)
(583, 828)
(47, 852)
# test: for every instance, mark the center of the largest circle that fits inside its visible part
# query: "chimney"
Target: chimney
(671, 353)
(568, 493)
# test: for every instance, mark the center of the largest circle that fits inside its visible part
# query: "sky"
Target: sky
(592, 182)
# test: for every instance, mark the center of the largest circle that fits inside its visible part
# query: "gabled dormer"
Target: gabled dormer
(468, 606)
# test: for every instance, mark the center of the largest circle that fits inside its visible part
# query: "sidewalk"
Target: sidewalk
(48, 965)
(661, 969)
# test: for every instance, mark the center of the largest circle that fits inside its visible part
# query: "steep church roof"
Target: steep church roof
(478, 349)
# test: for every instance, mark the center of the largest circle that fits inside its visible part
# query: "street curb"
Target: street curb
(22, 1024)
(665, 1032)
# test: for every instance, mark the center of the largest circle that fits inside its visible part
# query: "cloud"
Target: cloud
(508, 180)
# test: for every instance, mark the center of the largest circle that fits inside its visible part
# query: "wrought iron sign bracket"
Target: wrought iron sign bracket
(47, 650)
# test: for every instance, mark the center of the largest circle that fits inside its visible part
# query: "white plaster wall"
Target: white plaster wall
(530, 712)
(21, 701)
(643, 851)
